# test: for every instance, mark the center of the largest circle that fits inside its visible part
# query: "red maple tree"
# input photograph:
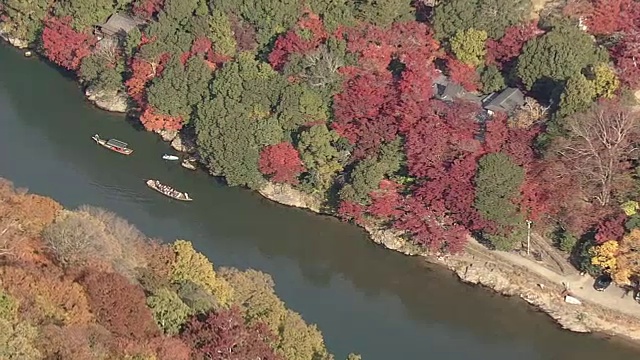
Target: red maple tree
(386, 201)
(153, 121)
(224, 335)
(119, 305)
(609, 16)
(364, 111)
(443, 133)
(308, 33)
(351, 211)
(147, 8)
(63, 45)
(500, 52)
(463, 74)
(142, 72)
(281, 162)
(611, 228)
(627, 58)
(434, 230)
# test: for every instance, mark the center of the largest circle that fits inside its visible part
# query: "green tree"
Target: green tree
(191, 265)
(196, 297)
(98, 72)
(385, 12)
(221, 34)
(168, 310)
(180, 88)
(368, 173)
(468, 46)
(87, 13)
(243, 93)
(24, 17)
(132, 41)
(354, 357)
(497, 183)
(268, 17)
(300, 104)
(319, 155)
(564, 240)
(180, 10)
(334, 12)
(577, 96)
(492, 79)
(492, 16)
(558, 55)
(176, 29)
(605, 80)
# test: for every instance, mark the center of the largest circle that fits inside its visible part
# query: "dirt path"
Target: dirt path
(580, 286)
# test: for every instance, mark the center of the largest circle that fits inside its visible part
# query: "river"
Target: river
(365, 299)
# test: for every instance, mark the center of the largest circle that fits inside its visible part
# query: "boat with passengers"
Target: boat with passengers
(167, 190)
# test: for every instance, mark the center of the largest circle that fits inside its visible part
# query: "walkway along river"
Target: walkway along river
(377, 302)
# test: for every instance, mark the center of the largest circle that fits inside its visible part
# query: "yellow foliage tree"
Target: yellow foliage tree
(468, 46)
(630, 207)
(16, 337)
(605, 80)
(190, 265)
(628, 258)
(604, 256)
(253, 292)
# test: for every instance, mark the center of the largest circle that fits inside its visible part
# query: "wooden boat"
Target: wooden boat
(188, 164)
(170, 157)
(167, 190)
(113, 144)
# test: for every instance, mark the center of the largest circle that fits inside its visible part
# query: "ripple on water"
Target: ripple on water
(115, 192)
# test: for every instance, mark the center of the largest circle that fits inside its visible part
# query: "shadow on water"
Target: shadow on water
(364, 298)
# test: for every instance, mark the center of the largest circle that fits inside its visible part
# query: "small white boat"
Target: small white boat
(170, 157)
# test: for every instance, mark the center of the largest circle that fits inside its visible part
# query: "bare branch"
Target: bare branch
(599, 147)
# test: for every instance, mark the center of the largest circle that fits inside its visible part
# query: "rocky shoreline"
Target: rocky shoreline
(480, 267)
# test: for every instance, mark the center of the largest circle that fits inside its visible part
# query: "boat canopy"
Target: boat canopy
(117, 143)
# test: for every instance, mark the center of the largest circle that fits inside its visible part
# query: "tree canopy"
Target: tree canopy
(162, 308)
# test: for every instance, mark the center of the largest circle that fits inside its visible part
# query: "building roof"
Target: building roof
(119, 23)
(507, 101)
(450, 91)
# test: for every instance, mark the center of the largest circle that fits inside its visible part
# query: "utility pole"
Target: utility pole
(528, 236)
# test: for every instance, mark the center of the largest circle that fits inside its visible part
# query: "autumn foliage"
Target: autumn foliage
(281, 162)
(63, 45)
(509, 46)
(147, 8)
(225, 335)
(305, 36)
(92, 311)
(153, 121)
(463, 74)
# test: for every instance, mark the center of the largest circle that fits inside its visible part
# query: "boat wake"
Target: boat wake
(119, 193)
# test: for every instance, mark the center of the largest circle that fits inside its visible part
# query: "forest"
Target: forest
(339, 99)
(86, 284)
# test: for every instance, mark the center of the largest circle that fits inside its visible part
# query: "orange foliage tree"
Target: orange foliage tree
(119, 305)
(47, 297)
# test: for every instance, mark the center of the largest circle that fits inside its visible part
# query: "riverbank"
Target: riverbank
(507, 275)
(485, 275)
